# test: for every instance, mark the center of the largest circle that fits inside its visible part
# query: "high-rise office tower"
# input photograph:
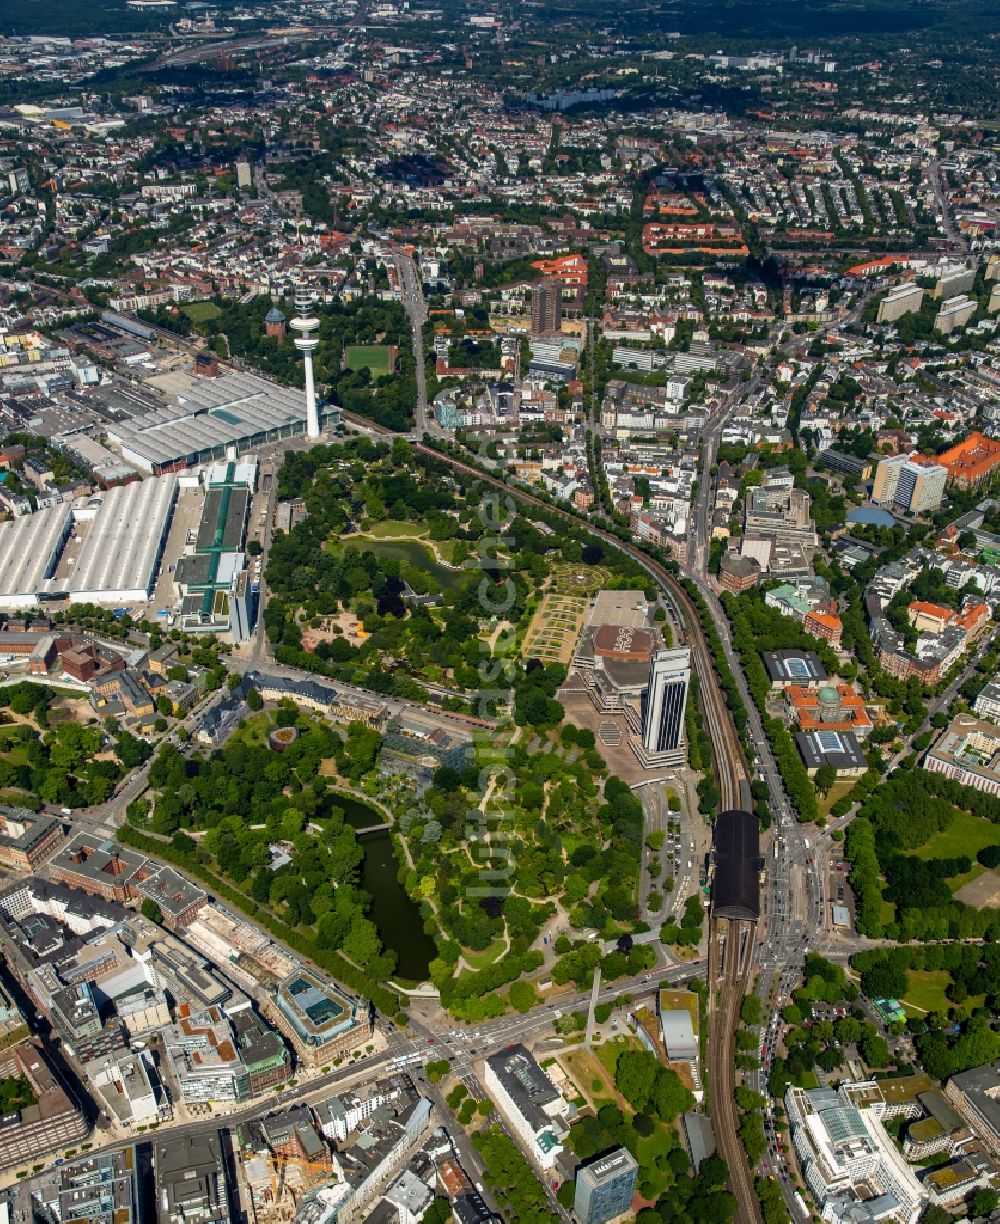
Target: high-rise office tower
(546, 307)
(665, 701)
(305, 323)
(605, 1187)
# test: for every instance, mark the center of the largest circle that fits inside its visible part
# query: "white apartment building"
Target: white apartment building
(987, 704)
(529, 1101)
(339, 1115)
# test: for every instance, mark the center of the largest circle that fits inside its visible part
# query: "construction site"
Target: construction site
(283, 1158)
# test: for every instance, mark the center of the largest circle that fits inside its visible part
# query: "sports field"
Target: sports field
(374, 357)
(201, 312)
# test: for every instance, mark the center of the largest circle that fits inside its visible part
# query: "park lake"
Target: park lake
(409, 552)
(394, 913)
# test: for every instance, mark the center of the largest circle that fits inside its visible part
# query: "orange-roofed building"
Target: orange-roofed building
(929, 617)
(971, 463)
(829, 708)
(826, 625)
(454, 1178)
(934, 618)
(974, 618)
(570, 269)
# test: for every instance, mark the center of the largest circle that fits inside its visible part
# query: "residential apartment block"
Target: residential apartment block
(530, 1103)
(968, 750)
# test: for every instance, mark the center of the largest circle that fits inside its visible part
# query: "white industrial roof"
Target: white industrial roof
(244, 473)
(125, 541)
(211, 412)
(760, 550)
(118, 557)
(678, 1033)
(29, 550)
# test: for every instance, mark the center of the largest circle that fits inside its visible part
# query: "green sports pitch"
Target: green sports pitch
(376, 357)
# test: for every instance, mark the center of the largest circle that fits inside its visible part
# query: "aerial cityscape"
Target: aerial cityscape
(499, 601)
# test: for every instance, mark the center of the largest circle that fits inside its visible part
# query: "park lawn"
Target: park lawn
(959, 881)
(447, 550)
(664, 1137)
(15, 798)
(966, 835)
(410, 552)
(575, 578)
(925, 990)
(201, 312)
(255, 730)
(488, 956)
(387, 529)
(585, 1070)
(374, 357)
(837, 791)
(608, 1051)
(16, 730)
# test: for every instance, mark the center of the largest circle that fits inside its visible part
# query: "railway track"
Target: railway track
(730, 765)
(724, 1020)
(732, 774)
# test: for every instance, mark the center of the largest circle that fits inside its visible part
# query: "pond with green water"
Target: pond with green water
(397, 917)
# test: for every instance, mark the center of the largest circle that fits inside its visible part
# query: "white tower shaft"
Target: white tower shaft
(307, 342)
(312, 412)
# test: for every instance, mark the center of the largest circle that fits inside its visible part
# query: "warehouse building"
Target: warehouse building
(104, 549)
(120, 557)
(214, 415)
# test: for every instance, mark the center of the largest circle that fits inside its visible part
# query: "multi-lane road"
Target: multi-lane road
(411, 292)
